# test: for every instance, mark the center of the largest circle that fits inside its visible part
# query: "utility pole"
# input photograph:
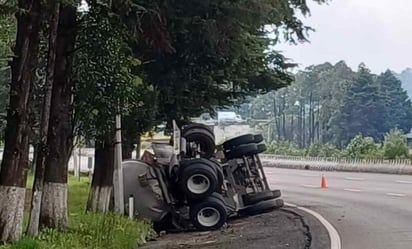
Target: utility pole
(118, 171)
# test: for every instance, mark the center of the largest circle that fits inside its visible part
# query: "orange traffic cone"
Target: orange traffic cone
(323, 182)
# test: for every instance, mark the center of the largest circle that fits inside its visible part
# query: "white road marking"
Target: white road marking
(404, 182)
(309, 175)
(352, 190)
(335, 242)
(396, 194)
(354, 178)
(309, 186)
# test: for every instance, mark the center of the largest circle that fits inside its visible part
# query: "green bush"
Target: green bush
(363, 147)
(322, 150)
(283, 147)
(395, 145)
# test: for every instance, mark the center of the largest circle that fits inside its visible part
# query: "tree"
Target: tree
(107, 84)
(60, 133)
(33, 227)
(219, 47)
(15, 157)
(361, 108)
(398, 108)
(394, 145)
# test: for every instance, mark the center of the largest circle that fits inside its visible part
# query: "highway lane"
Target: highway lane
(370, 211)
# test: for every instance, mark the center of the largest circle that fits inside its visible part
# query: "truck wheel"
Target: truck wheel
(209, 214)
(262, 207)
(198, 181)
(261, 148)
(242, 150)
(203, 137)
(258, 138)
(253, 198)
(234, 142)
(200, 126)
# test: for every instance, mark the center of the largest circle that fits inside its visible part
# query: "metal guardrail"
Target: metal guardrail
(399, 166)
(338, 160)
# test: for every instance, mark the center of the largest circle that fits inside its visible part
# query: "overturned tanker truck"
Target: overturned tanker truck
(192, 184)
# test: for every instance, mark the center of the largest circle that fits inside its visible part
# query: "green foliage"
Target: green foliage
(107, 80)
(394, 145)
(363, 147)
(282, 147)
(24, 243)
(397, 105)
(7, 36)
(322, 150)
(332, 104)
(219, 53)
(87, 230)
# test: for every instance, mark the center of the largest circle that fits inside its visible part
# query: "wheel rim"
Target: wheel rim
(198, 184)
(208, 216)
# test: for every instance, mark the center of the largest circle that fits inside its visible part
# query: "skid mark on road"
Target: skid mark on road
(352, 190)
(396, 194)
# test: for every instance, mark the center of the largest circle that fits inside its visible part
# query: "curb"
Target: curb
(326, 166)
(335, 241)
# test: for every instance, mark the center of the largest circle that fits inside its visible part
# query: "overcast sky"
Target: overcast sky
(376, 32)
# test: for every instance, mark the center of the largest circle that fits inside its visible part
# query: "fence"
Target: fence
(338, 160)
(398, 166)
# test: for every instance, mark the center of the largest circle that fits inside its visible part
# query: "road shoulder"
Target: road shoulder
(282, 229)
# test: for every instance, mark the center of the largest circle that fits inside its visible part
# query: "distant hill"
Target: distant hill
(406, 78)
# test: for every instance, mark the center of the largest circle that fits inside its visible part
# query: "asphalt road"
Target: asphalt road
(369, 211)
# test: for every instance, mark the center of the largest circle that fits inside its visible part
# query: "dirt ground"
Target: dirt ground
(280, 229)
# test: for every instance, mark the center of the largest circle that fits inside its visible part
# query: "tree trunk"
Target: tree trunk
(127, 147)
(15, 156)
(60, 134)
(101, 192)
(33, 226)
(284, 117)
(276, 115)
(138, 146)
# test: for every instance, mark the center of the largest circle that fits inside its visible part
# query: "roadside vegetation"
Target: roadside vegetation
(394, 146)
(87, 230)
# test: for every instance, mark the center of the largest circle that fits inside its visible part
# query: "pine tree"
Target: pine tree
(362, 107)
(398, 107)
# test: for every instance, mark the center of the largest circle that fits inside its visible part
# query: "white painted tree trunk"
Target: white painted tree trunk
(100, 198)
(54, 205)
(11, 215)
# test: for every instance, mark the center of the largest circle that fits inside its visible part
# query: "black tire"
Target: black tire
(261, 148)
(234, 142)
(262, 207)
(203, 137)
(196, 125)
(214, 210)
(198, 180)
(258, 138)
(242, 150)
(253, 198)
(276, 193)
(219, 170)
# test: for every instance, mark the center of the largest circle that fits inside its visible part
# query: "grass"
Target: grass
(87, 230)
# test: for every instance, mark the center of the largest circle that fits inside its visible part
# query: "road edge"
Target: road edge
(335, 241)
